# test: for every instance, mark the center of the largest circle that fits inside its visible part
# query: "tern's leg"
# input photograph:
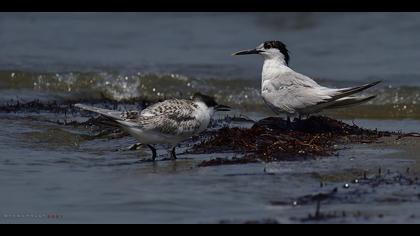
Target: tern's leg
(153, 151)
(173, 153)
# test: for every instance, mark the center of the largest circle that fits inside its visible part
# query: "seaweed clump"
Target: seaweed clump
(273, 139)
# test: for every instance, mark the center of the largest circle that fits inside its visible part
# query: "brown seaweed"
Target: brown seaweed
(273, 139)
(270, 139)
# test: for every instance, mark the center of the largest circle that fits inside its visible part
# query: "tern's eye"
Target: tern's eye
(267, 46)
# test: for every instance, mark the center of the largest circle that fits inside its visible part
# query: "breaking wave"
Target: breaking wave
(242, 94)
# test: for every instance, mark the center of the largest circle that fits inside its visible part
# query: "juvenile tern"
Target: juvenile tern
(168, 122)
(288, 92)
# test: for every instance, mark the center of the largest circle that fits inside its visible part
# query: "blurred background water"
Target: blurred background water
(70, 57)
(133, 55)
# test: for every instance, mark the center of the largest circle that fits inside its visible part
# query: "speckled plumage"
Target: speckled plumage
(177, 117)
(173, 117)
(167, 122)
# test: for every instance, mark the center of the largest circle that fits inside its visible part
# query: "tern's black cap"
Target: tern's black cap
(209, 101)
(280, 46)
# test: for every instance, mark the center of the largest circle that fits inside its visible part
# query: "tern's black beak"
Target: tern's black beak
(246, 52)
(222, 108)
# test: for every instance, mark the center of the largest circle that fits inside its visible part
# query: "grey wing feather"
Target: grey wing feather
(299, 92)
(169, 107)
(341, 93)
(169, 117)
(115, 115)
(295, 78)
(323, 94)
(174, 124)
(294, 95)
(344, 96)
(173, 117)
(348, 101)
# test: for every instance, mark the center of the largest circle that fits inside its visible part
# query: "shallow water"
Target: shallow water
(91, 182)
(56, 173)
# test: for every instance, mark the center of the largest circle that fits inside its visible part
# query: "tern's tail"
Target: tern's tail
(345, 92)
(114, 115)
(349, 101)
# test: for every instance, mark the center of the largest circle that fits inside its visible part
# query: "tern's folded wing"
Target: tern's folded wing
(176, 122)
(292, 78)
(292, 96)
(168, 107)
